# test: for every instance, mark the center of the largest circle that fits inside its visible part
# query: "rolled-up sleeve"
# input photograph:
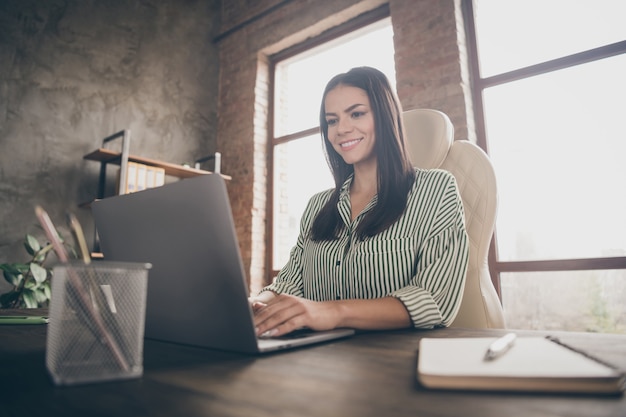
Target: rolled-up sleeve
(434, 295)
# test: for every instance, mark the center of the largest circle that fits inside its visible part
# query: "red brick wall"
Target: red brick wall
(430, 72)
(430, 56)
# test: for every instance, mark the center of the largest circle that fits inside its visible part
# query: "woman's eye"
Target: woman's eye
(331, 122)
(357, 114)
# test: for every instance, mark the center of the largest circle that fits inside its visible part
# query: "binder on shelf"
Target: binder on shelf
(140, 181)
(155, 176)
(141, 177)
(131, 179)
(130, 186)
(159, 178)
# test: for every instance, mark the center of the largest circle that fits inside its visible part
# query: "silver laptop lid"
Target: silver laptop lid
(197, 292)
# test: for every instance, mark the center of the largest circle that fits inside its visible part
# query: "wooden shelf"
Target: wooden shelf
(123, 158)
(180, 171)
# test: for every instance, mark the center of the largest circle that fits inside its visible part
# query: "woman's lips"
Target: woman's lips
(350, 144)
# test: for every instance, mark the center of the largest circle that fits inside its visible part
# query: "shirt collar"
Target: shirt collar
(344, 201)
(344, 194)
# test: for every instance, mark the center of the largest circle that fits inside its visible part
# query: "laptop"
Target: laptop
(197, 291)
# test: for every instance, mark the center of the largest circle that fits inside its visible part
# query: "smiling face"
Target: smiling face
(350, 124)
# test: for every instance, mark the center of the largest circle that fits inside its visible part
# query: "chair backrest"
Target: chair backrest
(430, 137)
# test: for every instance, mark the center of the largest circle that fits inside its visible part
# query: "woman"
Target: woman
(387, 247)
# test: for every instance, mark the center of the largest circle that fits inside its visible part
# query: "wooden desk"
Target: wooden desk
(371, 374)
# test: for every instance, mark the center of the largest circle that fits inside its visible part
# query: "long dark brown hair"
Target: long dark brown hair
(395, 171)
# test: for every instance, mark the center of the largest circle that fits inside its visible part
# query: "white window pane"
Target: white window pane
(558, 146)
(587, 301)
(300, 170)
(300, 80)
(513, 34)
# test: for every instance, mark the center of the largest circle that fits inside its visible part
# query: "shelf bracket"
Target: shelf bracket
(218, 162)
(125, 135)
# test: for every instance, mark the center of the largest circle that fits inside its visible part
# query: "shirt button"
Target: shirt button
(338, 297)
(337, 263)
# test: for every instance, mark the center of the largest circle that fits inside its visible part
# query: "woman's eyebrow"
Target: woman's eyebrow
(354, 106)
(348, 110)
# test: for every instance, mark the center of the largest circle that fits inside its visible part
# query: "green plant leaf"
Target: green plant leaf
(30, 284)
(13, 278)
(29, 299)
(46, 289)
(39, 273)
(40, 296)
(32, 245)
(15, 268)
(8, 276)
(7, 299)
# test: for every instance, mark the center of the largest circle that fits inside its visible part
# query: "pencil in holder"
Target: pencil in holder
(97, 321)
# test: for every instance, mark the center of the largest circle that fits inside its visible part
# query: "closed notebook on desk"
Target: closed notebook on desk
(533, 364)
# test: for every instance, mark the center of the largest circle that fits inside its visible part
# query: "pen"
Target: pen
(79, 237)
(500, 346)
(86, 307)
(23, 320)
(96, 290)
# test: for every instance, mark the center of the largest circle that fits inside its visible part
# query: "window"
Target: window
(550, 98)
(299, 167)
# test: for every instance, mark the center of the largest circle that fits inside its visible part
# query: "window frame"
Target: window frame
(479, 84)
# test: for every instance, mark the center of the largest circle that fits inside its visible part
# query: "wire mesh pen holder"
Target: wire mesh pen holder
(97, 320)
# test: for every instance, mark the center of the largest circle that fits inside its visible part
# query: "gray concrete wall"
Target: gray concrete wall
(75, 71)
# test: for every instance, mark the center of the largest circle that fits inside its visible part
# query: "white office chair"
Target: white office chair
(430, 137)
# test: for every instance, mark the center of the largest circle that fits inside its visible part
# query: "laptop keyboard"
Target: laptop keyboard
(296, 334)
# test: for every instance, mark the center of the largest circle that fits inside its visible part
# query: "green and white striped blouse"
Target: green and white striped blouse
(421, 259)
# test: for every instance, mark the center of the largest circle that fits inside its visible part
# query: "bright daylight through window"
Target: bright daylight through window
(558, 145)
(300, 169)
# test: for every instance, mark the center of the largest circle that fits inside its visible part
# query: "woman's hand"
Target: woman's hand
(261, 300)
(279, 314)
(284, 313)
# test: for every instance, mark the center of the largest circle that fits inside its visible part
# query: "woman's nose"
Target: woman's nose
(345, 125)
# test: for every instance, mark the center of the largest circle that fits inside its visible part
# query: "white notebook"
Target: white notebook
(532, 364)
